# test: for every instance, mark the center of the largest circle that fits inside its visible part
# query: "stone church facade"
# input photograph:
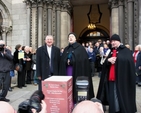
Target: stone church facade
(27, 22)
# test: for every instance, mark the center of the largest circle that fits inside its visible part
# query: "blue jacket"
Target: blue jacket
(92, 56)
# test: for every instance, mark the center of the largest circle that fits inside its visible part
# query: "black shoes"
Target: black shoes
(24, 85)
(10, 89)
(5, 99)
(20, 87)
(139, 84)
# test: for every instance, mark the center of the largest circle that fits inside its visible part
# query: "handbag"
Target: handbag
(18, 67)
(33, 66)
(12, 74)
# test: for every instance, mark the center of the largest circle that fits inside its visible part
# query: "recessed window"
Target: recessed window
(95, 33)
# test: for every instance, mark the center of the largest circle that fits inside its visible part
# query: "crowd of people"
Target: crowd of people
(118, 67)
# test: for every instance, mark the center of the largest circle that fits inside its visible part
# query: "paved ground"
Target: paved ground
(19, 95)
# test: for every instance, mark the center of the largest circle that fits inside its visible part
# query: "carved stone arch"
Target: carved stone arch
(84, 38)
(7, 21)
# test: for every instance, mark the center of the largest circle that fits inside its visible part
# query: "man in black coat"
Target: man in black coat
(47, 60)
(5, 67)
(117, 84)
(74, 62)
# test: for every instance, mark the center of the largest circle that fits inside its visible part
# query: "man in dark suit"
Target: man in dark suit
(47, 62)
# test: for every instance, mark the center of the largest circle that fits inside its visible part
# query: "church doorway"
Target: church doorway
(93, 35)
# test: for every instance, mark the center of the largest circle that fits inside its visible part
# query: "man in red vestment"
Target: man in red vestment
(117, 83)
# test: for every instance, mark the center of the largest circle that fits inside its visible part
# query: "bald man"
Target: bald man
(88, 107)
(6, 108)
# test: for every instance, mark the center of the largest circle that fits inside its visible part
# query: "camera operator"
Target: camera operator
(5, 67)
(88, 106)
(5, 107)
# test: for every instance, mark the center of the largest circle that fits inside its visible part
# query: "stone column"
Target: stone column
(139, 22)
(49, 22)
(114, 17)
(65, 23)
(58, 25)
(121, 20)
(136, 22)
(5, 31)
(34, 31)
(28, 23)
(64, 30)
(130, 22)
(40, 23)
(4, 37)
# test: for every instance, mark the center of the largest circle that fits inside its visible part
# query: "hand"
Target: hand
(39, 78)
(4, 52)
(112, 60)
(28, 59)
(44, 108)
(68, 62)
(24, 59)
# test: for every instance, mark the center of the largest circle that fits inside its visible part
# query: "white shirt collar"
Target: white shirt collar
(49, 51)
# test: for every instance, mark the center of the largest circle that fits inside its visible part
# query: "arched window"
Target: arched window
(93, 35)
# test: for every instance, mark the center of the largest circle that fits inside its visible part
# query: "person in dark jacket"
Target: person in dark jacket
(5, 67)
(12, 69)
(20, 77)
(47, 60)
(74, 62)
(117, 84)
(28, 61)
(92, 58)
(138, 67)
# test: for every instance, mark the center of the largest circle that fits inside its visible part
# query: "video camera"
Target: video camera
(82, 88)
(2, 47)
(33, 103)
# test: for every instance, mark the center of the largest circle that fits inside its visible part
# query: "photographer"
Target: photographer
(5, 107)
(5, 67)
(88, 106)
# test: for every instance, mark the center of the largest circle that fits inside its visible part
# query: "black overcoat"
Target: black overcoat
(81, 66)
(125, 81)
(42, 61)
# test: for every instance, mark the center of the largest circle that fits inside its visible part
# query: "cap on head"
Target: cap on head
(72, 34)
(115, 37)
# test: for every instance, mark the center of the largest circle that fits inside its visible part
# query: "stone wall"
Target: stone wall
(19, 23)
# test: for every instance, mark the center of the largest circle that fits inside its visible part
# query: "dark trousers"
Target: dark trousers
(23, 76)
(28, 76)
(40, 85)
(92, 68)
(5, 77)
(19, 78)
(113, 98)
